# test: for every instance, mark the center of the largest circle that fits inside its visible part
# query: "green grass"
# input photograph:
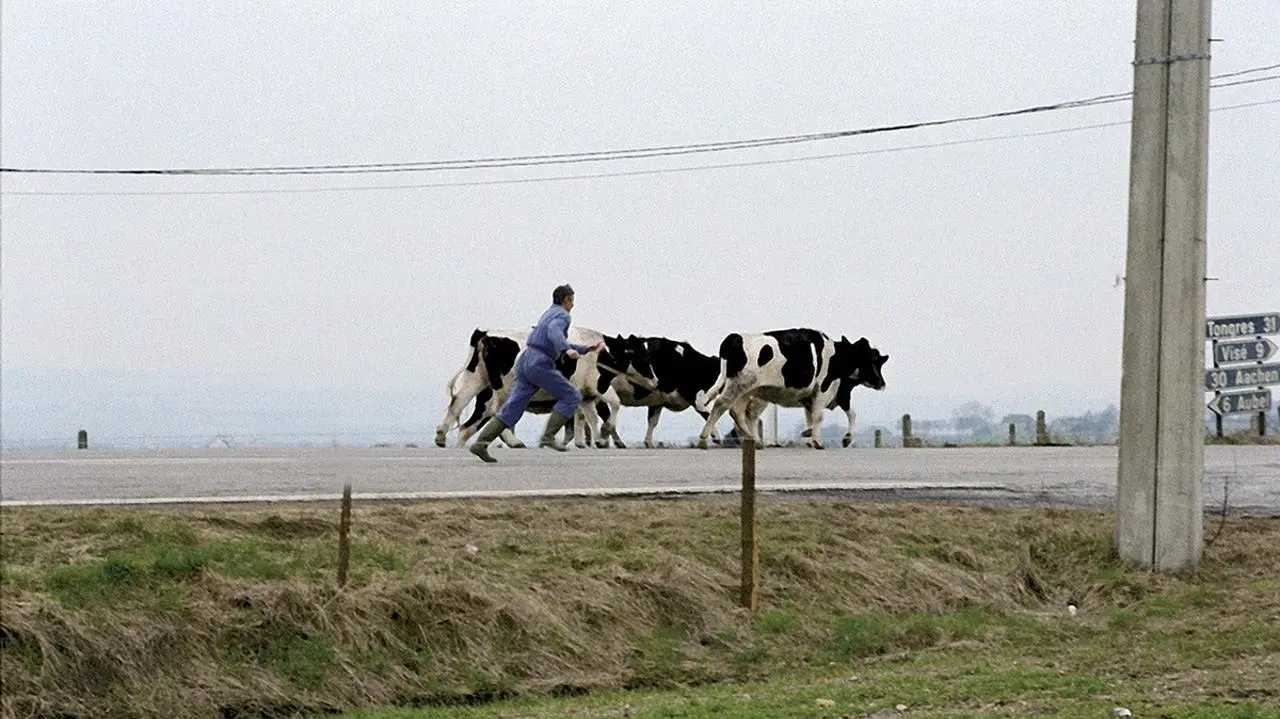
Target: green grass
(586, 608)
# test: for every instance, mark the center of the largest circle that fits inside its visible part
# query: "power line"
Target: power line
(569, 158)
(1247, 82)
(604, 155)
(1246, 72)
(601, 175)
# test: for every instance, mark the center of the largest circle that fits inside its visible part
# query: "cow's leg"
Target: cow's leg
(590, 422)
(755, 409)
(654, 413)
(490, 410)
(844, 401)
(613, 432)
(581, 427)
(461, 391)
(723, 403)
(852, 415)
(571, 426)
(609, 408)
(473, 424)
(741, 414)
(600, 438)
(813, 424)
(715, 432)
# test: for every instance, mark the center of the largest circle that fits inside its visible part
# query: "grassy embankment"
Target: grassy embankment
(614, 608)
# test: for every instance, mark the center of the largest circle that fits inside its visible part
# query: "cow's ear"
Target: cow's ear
(862, 342)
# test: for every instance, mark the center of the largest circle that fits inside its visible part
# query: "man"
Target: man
(536, 369)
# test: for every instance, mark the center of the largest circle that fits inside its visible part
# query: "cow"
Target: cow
(489, 374)
(799, 367)
(679, 375)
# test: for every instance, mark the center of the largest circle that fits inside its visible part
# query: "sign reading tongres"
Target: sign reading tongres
(1237, 326)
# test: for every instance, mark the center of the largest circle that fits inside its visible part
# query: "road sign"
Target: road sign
(1259, 400)
(1237, 326)
(1247, 376)
(1259, 349)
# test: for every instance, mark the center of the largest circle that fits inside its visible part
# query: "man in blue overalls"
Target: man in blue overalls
(536, 369)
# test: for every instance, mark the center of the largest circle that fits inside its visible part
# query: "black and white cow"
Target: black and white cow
(790, 368)
(489, 374)
(679, 375)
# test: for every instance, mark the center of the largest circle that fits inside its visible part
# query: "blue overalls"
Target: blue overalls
(536, 368)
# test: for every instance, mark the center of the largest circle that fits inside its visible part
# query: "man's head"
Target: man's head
(563, 296)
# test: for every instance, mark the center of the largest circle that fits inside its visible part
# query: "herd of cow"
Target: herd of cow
(790, 368)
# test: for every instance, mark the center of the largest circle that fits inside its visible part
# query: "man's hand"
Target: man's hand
(572, 353)
(596, 347)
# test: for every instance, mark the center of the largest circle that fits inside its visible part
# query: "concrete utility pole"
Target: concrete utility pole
(1159, 503)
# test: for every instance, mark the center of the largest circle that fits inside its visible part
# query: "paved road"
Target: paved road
(1082, 476)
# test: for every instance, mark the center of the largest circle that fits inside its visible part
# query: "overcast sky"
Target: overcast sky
(986, 271)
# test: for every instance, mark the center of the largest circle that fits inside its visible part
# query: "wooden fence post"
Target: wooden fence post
(82, 439)
(750, 550)
(344, 530)
(1013, 434)
(877, 439)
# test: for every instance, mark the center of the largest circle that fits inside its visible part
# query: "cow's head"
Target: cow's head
(628, 355)
(499, 357)
(474, 360)
(860, 361)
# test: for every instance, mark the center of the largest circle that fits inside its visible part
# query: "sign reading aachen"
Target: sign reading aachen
(1247, 376)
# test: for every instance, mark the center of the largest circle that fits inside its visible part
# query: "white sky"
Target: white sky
(986, 271)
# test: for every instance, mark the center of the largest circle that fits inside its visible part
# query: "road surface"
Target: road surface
(1070, 476)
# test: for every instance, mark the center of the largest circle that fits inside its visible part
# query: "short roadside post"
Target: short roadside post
(344, 530)
(750, 550)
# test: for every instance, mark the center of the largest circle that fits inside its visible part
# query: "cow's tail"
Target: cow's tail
(705, 399)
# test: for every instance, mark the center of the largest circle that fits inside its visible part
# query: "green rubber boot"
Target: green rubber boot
(555, 423)
(490, 432)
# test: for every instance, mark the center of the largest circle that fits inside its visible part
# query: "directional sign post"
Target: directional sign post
(1258, 400)
(1256, 375)
(1259, 349)
(1238, 326)
(1238, 339)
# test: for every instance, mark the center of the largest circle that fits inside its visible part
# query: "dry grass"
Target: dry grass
(234, 610)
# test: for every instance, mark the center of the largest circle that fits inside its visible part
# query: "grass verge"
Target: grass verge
(581, 608)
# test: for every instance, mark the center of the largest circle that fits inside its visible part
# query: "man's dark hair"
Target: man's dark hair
(560, 293)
